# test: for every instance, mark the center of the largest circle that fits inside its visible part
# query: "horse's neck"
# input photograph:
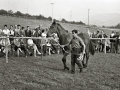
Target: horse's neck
(64, 37)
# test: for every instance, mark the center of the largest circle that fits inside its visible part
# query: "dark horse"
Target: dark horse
(66, 37)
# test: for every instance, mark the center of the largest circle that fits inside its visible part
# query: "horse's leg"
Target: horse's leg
(83, 62)
(64, 61)
(87, 57)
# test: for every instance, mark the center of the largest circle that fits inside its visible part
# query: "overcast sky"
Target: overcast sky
(78, 9)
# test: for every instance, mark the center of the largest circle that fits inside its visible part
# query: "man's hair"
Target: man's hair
(22, 28)
(28, 26)
(43, 30)
(18, 25)
(74, 31)
(11, 25)
(5, 25)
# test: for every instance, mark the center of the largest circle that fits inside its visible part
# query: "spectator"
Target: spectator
(44, 41)
(6, 31)
(17, 30)
(11, 30)
(22, 32)
(11, 34)
(28, 32)
(112, 42)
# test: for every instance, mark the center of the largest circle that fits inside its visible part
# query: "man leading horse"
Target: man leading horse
(77, 51)
(66, 37)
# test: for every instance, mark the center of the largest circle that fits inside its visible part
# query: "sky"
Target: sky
(71, 10)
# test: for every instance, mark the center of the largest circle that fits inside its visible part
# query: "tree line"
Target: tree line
(36, 17)
(117, 26)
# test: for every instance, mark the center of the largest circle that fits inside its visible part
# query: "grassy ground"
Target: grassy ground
(102, 73)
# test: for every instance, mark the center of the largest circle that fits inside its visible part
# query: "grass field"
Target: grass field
(102, 73)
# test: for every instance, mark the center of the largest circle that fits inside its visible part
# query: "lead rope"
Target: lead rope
(61, 47)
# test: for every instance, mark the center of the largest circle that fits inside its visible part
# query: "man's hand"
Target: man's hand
(62, 46)
(83, 52)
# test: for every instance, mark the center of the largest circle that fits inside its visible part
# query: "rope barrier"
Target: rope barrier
(50, 38)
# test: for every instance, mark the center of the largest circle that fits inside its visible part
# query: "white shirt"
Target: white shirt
(11, 32)
(112, 34)
(43, 35)
(6, 31)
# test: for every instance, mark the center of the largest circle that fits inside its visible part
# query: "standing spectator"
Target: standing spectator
(6, 31)
(112, 42)
(44, 41)
(28, 32)
(22, 32)
(11, 34)
(6, 42)
(17, 30)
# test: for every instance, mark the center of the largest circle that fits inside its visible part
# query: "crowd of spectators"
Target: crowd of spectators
(20, 31)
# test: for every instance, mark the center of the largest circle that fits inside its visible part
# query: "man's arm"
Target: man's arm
(82, 42)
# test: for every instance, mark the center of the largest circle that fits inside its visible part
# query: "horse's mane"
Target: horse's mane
(60, 26)
(54, 23)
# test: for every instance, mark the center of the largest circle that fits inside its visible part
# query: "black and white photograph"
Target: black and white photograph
(59, 44)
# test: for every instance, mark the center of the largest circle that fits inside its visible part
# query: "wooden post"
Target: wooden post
(6, 50)
(105, 46)
(41, 49)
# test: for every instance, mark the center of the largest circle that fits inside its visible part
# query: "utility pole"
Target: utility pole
(52, 10)
(88, 16)
(70, 16)
(27, 9)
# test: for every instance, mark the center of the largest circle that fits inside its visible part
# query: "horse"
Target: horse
(66, 37)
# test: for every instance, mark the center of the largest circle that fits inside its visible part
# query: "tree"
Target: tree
(3, 12)
(10, 12)
(63, 20)
(18, 13)
(50, 18)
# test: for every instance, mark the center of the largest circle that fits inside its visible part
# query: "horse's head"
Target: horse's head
(55, 28)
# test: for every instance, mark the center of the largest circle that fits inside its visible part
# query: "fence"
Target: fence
(47, 39)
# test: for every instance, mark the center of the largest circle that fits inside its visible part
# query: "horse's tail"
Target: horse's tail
(92, 48)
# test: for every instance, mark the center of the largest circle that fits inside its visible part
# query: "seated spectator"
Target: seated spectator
(54, 44)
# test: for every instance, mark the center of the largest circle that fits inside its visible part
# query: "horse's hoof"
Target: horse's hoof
(80, 70)
(84, 66)
(67, 68)
(72, 72)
